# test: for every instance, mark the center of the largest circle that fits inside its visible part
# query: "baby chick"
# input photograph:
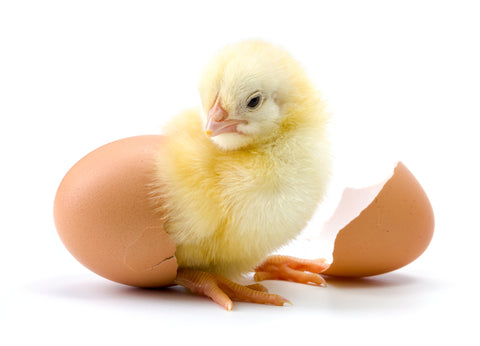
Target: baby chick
(242, 176)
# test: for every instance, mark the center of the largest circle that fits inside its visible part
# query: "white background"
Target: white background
(402, 81)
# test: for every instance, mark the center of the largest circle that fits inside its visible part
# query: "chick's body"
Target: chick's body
(228, 203)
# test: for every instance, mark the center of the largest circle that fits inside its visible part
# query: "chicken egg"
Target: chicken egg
(105, 216)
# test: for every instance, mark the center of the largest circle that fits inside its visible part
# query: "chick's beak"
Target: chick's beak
(218, 122)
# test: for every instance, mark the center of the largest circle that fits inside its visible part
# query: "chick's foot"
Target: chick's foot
(293, 269)
(222, 291)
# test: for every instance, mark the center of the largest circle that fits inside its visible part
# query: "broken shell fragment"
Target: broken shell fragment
(380, 228)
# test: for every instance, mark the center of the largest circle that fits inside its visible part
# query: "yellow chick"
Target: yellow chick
(242, 176)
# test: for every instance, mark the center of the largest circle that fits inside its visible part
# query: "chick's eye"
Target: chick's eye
(254, 102)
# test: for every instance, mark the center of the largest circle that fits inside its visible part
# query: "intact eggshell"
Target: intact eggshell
(105, 216)
(380, 228)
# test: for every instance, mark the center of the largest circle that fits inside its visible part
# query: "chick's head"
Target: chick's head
(244, 90)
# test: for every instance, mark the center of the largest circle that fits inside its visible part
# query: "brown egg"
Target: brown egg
(105, 217)
(380, 228)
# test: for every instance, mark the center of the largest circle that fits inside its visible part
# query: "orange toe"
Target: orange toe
(293, 269)
(222, 291)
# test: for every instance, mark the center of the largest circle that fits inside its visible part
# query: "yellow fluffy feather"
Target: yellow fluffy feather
(232, 199)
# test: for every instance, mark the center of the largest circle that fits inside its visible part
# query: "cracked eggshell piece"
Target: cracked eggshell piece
(105, 216)
(380, 228)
